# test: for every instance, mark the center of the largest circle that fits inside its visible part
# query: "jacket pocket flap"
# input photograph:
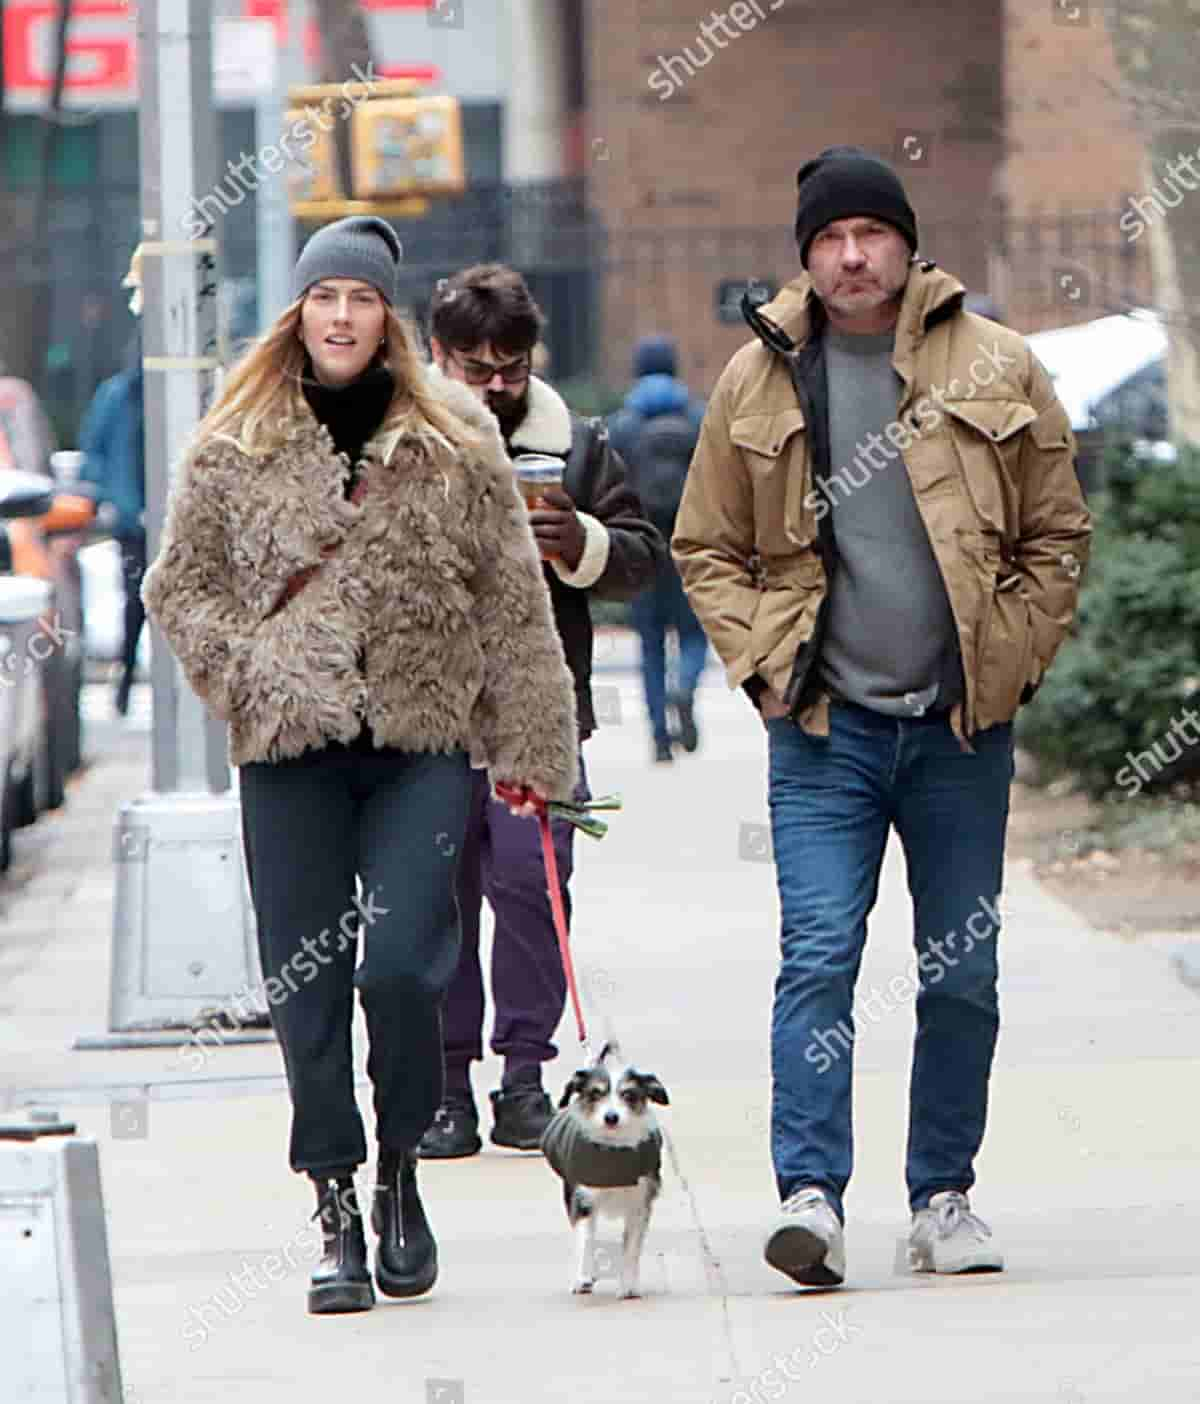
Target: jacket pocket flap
(766, 433)
(994, 419)
(1051, 431)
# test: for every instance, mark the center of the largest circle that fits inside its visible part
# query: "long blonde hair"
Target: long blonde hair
(262, 391)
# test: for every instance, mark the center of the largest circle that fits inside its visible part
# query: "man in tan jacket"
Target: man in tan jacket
(883, 535)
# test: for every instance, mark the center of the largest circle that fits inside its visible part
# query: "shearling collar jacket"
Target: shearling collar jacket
(990, 455)
(426, 617)
(622, 550)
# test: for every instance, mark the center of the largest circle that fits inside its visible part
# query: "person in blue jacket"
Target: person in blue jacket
(655, 432)
(113, 444)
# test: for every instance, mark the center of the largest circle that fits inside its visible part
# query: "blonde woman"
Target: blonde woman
(348, 577)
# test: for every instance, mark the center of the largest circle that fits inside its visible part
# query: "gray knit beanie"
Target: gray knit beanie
(363, 247)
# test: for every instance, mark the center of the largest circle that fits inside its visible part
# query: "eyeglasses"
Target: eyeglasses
(482, 372)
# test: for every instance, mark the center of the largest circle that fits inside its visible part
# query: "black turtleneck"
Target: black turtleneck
(351, 412)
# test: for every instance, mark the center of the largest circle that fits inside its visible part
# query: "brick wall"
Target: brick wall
(700, 187)
(1010, 107)
(1072, 159)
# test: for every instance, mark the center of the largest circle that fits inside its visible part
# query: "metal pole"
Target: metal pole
(276, 237)
(183, 934)
(177, 134)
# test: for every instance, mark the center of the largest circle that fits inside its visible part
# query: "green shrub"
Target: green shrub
(1133, 664)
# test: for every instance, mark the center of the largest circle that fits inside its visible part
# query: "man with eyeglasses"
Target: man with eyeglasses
(596, 542)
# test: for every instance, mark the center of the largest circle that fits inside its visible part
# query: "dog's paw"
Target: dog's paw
(630, 1294)
(582, 1287)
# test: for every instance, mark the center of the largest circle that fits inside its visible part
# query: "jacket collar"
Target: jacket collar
(929, 295)
(546, 427)
(303, 429)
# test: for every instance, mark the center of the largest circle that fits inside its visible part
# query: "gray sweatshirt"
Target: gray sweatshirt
(890, 644)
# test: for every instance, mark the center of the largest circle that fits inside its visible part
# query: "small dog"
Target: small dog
(605, 1143)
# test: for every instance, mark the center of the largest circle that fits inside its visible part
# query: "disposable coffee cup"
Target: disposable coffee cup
(535, 472)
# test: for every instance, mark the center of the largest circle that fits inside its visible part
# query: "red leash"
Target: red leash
(513, 794)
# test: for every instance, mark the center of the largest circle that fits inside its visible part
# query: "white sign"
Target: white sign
(243, 59)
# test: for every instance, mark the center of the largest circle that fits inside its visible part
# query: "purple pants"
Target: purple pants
(502, 860)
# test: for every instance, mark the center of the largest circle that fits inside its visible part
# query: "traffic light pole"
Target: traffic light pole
(180, 279)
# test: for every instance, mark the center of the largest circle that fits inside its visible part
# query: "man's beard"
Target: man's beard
(509, 409)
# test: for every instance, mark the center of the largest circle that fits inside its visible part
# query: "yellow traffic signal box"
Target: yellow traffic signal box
(406, 147)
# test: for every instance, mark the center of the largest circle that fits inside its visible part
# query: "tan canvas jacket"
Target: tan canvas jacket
(990, 454)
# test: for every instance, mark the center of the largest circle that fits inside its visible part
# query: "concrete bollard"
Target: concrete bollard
(183, 924)
(58, 1337)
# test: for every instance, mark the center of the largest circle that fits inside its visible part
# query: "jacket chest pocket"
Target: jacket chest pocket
(775, 450)
(987, 436)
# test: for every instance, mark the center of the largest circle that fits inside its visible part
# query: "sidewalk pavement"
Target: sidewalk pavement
(1090, 1174)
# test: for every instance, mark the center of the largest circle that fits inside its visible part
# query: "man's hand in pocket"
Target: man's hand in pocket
(770, 706)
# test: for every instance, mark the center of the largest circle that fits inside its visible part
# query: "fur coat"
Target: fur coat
(428, 618)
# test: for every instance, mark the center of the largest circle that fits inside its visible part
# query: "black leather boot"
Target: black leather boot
(406, 1264)
(341, 1281)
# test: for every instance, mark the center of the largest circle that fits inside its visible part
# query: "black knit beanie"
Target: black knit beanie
(363, 247)
(844, 181)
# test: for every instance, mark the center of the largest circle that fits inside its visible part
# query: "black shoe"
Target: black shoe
(685, 712)
(406, 1264)
(341, 1281)
(520, 1115)
(454, 1133)
(662, 753)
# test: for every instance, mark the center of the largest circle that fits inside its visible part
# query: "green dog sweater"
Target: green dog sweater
(583, 1161)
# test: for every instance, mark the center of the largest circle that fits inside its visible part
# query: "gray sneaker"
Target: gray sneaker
(805, 1241)
(947, 1237)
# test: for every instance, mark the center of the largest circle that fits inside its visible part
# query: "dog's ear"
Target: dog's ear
(576, 1084)
(653, 1089)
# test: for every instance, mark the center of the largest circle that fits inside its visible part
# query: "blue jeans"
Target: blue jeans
(833, 801)
(660, 608)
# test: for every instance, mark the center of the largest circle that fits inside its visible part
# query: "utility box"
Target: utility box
(184, 937)
(58, 1338)
(408, 146)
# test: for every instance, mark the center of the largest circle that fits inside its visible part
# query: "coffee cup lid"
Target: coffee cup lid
(537, 465)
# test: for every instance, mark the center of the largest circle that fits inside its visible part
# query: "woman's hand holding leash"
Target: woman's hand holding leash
(525, 801)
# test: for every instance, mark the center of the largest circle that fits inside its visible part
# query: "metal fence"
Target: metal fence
(1043, 271)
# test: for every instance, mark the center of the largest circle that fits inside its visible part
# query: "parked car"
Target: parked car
(24, 607)
(1111, 376)
(48, 549)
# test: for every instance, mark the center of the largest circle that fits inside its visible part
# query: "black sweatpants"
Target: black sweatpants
(395, 819)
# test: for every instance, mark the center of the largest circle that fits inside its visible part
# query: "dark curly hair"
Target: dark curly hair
(487, 304)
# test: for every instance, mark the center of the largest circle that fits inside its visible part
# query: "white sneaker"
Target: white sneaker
(947, 1237)
(805, 1242)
